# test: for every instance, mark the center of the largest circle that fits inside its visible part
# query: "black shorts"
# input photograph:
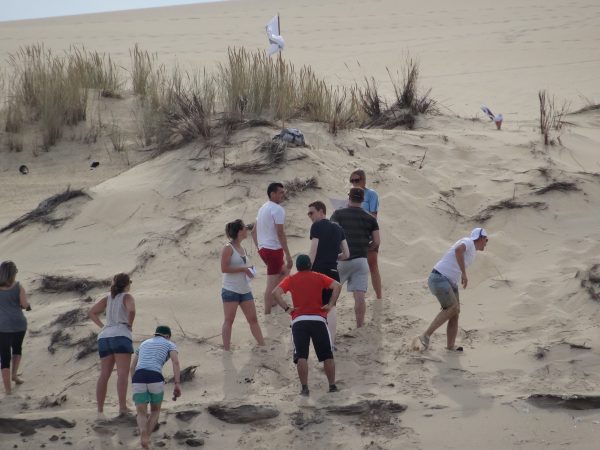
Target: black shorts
(303, 332)
(11, 344)
(331, 273)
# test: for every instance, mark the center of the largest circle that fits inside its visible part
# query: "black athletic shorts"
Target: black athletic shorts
(331, 273)
(303, 332)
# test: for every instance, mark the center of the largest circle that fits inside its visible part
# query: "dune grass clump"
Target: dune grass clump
(273, 153)
(254, 84)
(96, 71)
(408, 102)
(56, 284)
(47, 90)
(298, 185)
(142, 69)
(551, 116)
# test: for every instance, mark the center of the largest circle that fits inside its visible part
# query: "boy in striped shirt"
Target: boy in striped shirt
(148, 384)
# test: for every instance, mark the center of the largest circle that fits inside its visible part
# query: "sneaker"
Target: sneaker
(333, 388)
(304, 392)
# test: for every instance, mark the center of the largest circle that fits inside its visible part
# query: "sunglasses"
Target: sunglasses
(354, 180)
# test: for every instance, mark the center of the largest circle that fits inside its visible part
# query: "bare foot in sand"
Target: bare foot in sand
(145, 439)
(17, 380)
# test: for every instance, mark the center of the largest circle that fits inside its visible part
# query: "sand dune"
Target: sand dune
(163, 219)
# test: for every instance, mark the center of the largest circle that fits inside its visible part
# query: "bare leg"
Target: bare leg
(229, 310)
(442, 317)
(106, 367)
(329, 366)
(332, 324)
(452, 330)
(272, 282)
(360, 308)
(375, 275)
(123, 361)
(16, 361)
(142, 421)
(302, 368)
(249, 310)
(153, 420)
(6, 380)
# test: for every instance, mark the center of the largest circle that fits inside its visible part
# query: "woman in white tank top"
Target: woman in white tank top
(236, 291)
(115, 344)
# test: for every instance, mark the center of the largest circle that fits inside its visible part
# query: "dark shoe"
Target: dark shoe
(333, 388)
(305, 392)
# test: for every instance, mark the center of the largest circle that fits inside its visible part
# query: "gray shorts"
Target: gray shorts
(356, 273)
(440, 286)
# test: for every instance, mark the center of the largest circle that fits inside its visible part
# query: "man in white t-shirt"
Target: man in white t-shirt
(443, 283)
(269, 237)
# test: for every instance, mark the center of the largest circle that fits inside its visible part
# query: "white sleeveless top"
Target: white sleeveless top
(237, 282)
(116, 318)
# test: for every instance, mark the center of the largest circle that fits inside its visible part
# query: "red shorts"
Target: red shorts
(273, 259)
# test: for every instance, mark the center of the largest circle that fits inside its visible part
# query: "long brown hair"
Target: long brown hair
(8, 273)
(120, 282)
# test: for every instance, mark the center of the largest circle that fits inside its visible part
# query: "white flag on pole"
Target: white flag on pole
(274, 36)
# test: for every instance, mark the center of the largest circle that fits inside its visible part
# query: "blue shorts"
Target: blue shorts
(230, 296)
(110, 346)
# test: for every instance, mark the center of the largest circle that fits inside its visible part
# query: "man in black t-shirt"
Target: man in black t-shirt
(327, 246)
(362, 233)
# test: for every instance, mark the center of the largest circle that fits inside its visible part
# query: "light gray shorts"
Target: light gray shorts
(356, 273)
(445, 292)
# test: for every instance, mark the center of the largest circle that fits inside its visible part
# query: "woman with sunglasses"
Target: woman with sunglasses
(115, 344)
(236, 291)
(370, 204)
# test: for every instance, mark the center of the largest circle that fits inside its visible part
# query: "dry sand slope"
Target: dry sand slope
(163, 219)
(530, 292)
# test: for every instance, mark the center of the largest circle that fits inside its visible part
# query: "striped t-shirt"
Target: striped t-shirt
(153, 353)
(358, 225)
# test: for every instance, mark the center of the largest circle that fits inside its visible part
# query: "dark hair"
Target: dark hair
(303, 263)
(360, 173)
(356, 195)
(319, 206)
(120, 282)
(232, 229)
(8, 273)
(273, 187)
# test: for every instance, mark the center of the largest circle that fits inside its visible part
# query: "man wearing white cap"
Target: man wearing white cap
(443, 283)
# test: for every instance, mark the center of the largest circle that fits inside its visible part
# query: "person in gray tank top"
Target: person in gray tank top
(13, 324)
(115, 344)
(236, 291)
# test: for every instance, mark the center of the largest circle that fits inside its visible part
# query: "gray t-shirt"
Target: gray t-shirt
(12, 318)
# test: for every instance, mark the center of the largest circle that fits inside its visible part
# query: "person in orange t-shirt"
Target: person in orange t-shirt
(309, 318)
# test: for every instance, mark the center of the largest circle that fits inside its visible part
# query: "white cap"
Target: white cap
(477, 233)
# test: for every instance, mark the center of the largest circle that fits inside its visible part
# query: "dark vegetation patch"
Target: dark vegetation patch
(27, 427)
(85, 346)
(510, 203)
(186, 375)
(69, 318)
(55, 284)
(574, 402)
(272, 154)
(45, 210)
(591, 282)
(561, 186)
(242, 413)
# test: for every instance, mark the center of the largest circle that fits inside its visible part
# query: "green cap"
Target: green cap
(303, 262)
(162, 330)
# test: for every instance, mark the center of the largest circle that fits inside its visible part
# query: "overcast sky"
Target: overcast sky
(34, 9)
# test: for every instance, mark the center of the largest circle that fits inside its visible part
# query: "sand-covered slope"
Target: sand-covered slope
(532, 294)
(163, 219)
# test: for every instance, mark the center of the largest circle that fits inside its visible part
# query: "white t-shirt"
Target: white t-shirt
(269, 215)
(448, 265)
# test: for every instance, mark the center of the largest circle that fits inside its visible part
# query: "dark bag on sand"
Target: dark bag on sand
(291, 135)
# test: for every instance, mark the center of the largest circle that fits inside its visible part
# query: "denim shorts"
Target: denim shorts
(445, 292)
(230, 296)
(111, 345)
